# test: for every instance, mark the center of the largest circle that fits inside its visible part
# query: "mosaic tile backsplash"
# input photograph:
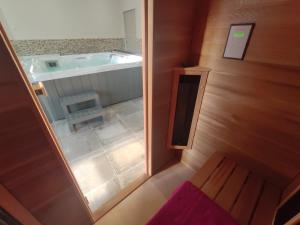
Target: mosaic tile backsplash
(67, 46)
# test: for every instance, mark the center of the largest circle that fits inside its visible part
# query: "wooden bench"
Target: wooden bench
(249, 198)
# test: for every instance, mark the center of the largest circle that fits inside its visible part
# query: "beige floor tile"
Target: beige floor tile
(92, 172)
(172, 177)
(133, 173)
(102, 193)
(109, 114)
(112, 218)
(144, 202)
(93, 141)
(141, 205)
(124, 108)
(127, 155)
(140, 136)
(102, 150)
(138, 103)
(112, 132)
(74, 147)
(61, 128)
(133, 121)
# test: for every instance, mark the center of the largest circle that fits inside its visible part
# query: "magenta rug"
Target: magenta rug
(190, 206)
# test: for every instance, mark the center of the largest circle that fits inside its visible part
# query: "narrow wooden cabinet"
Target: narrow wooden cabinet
(187, 93)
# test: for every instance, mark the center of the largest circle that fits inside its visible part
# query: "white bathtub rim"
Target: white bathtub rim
(40, 77)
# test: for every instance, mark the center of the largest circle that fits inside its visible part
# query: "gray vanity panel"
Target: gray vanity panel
(112, 86)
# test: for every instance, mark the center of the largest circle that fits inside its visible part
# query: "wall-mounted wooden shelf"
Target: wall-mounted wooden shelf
(187, 93)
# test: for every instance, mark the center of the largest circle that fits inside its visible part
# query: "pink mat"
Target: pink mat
(190, 206)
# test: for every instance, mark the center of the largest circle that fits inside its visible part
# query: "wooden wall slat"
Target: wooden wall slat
(248, 109)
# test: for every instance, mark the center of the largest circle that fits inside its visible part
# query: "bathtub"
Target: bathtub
(52, 67)
(115, 76)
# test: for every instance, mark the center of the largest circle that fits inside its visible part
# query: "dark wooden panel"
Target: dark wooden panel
(170, 28)
(249, 109)
(186, 100)
(31, 168)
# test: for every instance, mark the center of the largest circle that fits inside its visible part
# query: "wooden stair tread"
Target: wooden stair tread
(267, 204)
(245, 205)
(218, 178)
(232, 188)
(207, 169)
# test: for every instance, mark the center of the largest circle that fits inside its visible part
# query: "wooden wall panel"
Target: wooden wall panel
(30, 166)
(170, 28)
(251, 108)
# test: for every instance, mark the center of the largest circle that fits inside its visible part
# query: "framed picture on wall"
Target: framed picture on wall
(238, 40)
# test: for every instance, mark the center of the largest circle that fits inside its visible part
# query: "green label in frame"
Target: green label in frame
(238, 34)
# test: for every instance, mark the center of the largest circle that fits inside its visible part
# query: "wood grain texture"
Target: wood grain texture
(15, 209)
(291, 189)
(206, 170)
(31, 167)
(232, 188)
(295, 220)
(267, 204)
(248, 197)
(248, 110)
(178, 72)
(218, 178)
(245, 205)
(170, 28)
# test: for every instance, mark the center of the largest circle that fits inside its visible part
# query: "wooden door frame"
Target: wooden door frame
(147, 97)
(147, 85)
(49, 133)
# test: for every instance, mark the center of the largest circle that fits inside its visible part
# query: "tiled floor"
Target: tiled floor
(106, 155)
(142, 204)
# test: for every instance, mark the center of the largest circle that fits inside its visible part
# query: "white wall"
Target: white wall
(137, 5)
(63, 19)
